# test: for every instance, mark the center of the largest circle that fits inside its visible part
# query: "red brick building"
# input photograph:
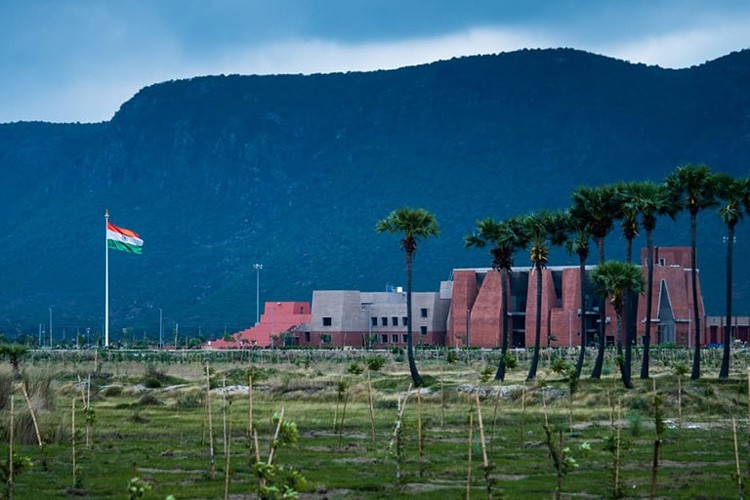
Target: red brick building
(476, 304)
(277, 325)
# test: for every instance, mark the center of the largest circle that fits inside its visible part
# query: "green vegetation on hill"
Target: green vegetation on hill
(217, 173)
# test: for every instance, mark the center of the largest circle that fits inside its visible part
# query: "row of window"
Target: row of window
(326, 338)
(328, 321)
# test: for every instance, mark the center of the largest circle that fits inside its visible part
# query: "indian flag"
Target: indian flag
(123, 239)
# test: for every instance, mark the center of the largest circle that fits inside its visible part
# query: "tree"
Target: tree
(413, 224)
(597, 208)
(14, 352)
(541, 229)
(615, 280)
(505, 239)
(650, 200)
(578, 243)
(695, 187)
(735, 200)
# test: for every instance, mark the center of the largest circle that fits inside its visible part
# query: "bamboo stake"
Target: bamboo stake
(372, 409)
(224, 410)
(33, 416)
(228, 452)
(523, 411)
(485, 461)
(442, 399)
(400, 414)
(275, 437)
(471, 439)
(657, 445)
(73, 436)
(10, 448)
(88, 413)
(494, 421)
(737, 459)
(249, 404)
(617, 446)
(210, 423)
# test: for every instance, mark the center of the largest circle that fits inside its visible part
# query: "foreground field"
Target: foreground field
(148, 419)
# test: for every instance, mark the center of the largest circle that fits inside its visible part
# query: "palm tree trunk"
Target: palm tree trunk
(631, 313)
(504, 291)
(582, 315)
(538, 327)
(724, 372)
(649, 297)
(409, 344)
(696, 373)
(599, 364)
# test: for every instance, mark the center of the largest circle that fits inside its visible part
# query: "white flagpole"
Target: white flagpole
(106, 280)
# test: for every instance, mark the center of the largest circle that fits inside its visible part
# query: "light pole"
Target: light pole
(50, 326)
(257, 268)
(161, 330)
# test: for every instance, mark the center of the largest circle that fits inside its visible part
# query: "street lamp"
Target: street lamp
(257, 268)
(161, 330)
(50, 326)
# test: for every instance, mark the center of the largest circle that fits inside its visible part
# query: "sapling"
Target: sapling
(659, 428)
(374, 364)
(276, 481)
(680, 370)
(487, 466)
(396, 438)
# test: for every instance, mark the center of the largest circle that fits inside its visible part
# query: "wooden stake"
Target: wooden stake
(31, 411)
(372, 408)
(210, 423)
(737, 459)
(249, 404)
(228, 450)
(73, 436)
(419, 431)
(471, 439)
(485, 461)
(10, 448)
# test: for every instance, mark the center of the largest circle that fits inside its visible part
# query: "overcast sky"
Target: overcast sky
(79, 60)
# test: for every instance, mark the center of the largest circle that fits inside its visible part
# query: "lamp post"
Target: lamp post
(50, 326)
(161, 330)
(257, 268)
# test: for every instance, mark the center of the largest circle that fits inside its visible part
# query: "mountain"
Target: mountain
(217, 173)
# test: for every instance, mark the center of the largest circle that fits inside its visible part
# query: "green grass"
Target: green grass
(166, 443)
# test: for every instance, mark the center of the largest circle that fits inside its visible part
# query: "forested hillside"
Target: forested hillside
(219, 172)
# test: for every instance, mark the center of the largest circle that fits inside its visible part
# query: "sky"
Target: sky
(79, 60)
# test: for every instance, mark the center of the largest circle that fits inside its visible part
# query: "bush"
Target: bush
(149, 400)
(151, 383)
(112, 391)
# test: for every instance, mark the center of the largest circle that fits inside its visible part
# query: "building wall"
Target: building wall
(476, 293)
(375, 319)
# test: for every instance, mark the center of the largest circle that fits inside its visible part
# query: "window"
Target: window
(394, 321)
(374, 321)
(423, 330)
(394, 338)
(325, 338)
(307, 336)
(423, 312)
(327, 321)
(406, 338)
(384, 338)
(384, 321)
(404, 321)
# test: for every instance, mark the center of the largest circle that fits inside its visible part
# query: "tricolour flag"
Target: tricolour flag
(123, 239)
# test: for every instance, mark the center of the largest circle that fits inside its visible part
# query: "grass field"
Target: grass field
(149, 420)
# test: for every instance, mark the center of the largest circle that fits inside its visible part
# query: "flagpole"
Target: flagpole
(106, 280)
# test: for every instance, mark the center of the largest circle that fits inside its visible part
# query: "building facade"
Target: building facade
(467, 311)
(476, 305)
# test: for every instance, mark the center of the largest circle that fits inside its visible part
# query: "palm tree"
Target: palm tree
(541, 229)
(735, 196)
(413, 224)
(694, 186)
(597, 208)
(628, 212)
(505, 239)
(616, 280)
(578, 243)
(650, 200)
